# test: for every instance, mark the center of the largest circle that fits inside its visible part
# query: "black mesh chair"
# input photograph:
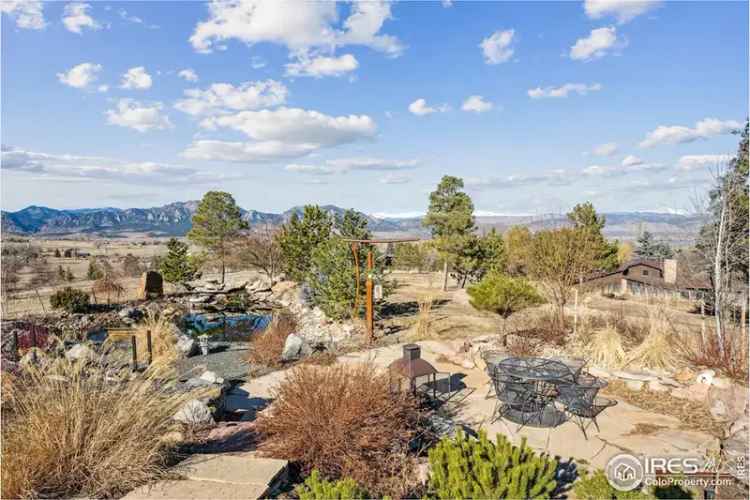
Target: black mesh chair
(491, 359)
(581, 402)
(511, 393)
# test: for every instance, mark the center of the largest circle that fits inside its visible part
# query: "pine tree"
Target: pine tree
(93, 272)
(216, 222)
(584, 217)
(176, 266)
(648, 248)
(300, 236)
(352, 225)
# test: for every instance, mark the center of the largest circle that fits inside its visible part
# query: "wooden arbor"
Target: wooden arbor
(369, 315)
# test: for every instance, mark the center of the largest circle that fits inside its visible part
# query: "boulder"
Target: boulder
(705, 377)
(721, 382)
(728, 404)
(211, 377)
(737, 453)
(292, 347)
(187, 345)
(656, 386)
(694, 392)
(194, 412)
(634, 385)
(599, 372)
(151, 286)
(80, 352)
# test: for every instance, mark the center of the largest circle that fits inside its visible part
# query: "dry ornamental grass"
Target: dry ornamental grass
(266, 348)
(69, 431)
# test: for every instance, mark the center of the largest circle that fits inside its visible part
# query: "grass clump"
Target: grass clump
(163, 338)
(658, 349)
(69, 431)
(344, 421)
(606, 348)
(266, 347)
(317, 488)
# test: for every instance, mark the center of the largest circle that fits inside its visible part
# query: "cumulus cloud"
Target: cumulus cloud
(321, 66)
(76, 18)
(222, 98)
(420, 108)
(678, 134)
(620, 170)
(92, 168)
(135, 19)
(28, 14)
(607, 149)
(309, 169)
(281, 133)
(188, 74)
(622, 10)
(80, 76)
(300, 26)
(138, 116)
(136, 78)
(598, 44)
(257, 62)
(696, 162)
(563, 90)
(476, 104)
(552, 178)
(630, 161)
(498, 47)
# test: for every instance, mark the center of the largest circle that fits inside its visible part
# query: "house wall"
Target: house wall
(653, 277)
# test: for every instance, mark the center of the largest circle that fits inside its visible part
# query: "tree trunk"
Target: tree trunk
(718, 279)
(445, 275)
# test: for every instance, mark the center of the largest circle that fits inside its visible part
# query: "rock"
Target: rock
(292, 347)
(685, 376)
(151, 286)
(718, 410)
(694, 392)
(737, 453)
(656, 386)
(634, 385)
(669, 382)
(80, 352)
(627, 375)
(727, 404)
(130, 313)
(705, 377)
(211, 377)
(194, 412)
(187, 345)
(172, 438)
(599, 372)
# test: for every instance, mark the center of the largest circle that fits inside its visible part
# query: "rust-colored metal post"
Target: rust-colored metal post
(369, 285)
(148, 347)
(355, 251)
(134, 351)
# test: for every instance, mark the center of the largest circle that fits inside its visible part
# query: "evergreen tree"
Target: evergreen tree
(216, 222)
(93, 272)
(503, 295)
(648, 248)
(451, 221)
(584, 217)
(300, 236)
(353, 225)
(176, 266)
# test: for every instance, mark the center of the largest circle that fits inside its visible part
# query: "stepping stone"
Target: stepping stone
(196, 490)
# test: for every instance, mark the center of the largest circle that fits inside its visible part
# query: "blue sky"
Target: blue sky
(536, 105)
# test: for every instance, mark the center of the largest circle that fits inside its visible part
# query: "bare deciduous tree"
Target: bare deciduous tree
(259, 250)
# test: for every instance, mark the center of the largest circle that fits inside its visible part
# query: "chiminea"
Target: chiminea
(411, 366)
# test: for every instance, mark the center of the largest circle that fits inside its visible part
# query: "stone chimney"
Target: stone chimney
(670, 271)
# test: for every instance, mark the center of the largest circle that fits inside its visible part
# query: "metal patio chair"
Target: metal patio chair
(580, 400)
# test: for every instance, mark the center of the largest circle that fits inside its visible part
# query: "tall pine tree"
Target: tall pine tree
(176, 266)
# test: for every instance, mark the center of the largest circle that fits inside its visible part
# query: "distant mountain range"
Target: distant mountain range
(174, 219)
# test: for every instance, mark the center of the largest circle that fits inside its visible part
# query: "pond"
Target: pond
(226, 326)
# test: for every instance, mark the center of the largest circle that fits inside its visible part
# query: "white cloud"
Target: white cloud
(281, 133)
(28, 14)
(141, 117)
(622, 10)
(92, 168)
(563, 90)
(371, 164)
(447, 3)
(134, 19)
(310, 169)
(476, 104)
(607, 149)
(222, 98)
(188, 74)
(599, 42)
(630, 161)
(695, 162)
(136, 78)
(321, 66)
(395, 179)
(80, 76)
(420, 108)
(257, 62)
(498, 47)
(618, 170)
(678, 134)
(103, 88)
(246, 152)
(76, 17)
(300, 26)
(557, 177)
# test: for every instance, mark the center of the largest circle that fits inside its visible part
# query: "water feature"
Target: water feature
(225, 326)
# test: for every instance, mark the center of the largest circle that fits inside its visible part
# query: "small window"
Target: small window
(645, 272)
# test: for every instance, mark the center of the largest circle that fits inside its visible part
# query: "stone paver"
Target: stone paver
(222, 475)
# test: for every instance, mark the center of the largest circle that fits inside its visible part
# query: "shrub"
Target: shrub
(503, 295)
(408, 256)
(606, 348)
(463, 467)
(596, 487)
(176, 266)
(267, 346)
(732, 360)
(70, 299)
(78, 434)
(344, 421)
(316, 488)
(424, 316)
